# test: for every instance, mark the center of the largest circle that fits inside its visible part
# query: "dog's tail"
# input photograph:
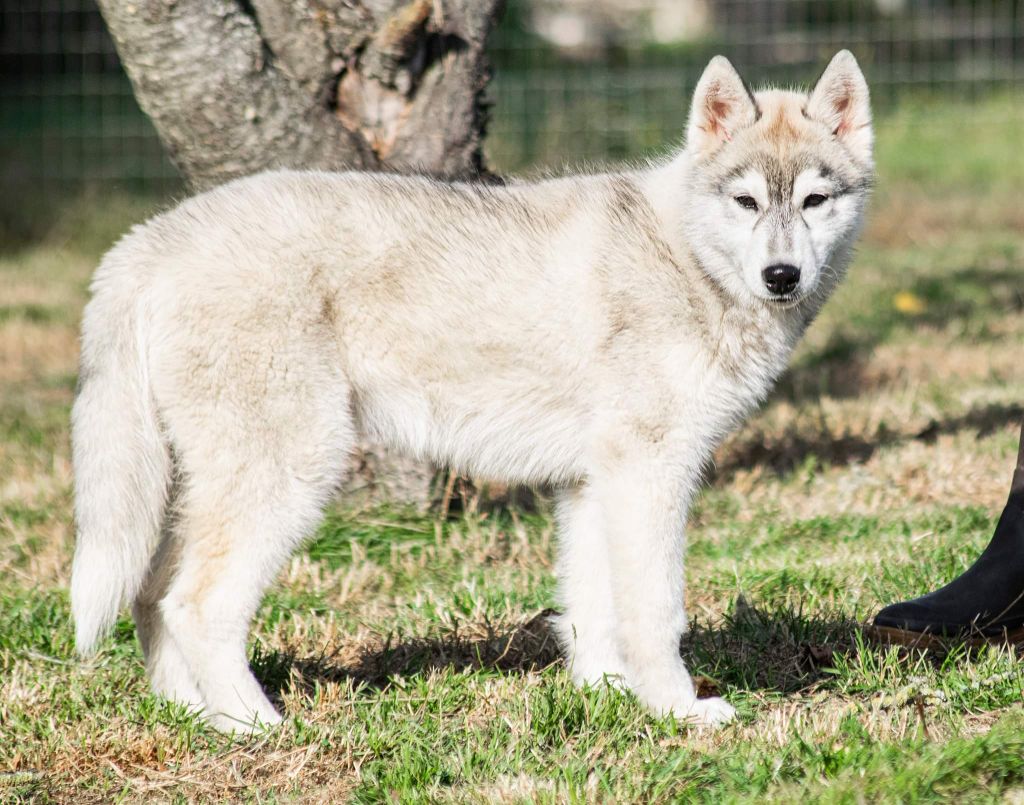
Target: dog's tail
(122, 463)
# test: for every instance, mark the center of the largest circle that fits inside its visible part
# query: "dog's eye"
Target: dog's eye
(814, 200)
(746, 202)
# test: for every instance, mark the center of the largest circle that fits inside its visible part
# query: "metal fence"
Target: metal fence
(574, 80)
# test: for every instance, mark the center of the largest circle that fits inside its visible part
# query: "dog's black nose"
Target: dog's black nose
(781, 279)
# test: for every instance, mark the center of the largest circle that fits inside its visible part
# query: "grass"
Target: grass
(412, 656)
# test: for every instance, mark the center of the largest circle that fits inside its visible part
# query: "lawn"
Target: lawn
(411, 655)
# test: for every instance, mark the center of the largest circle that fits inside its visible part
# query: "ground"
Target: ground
(411, 655)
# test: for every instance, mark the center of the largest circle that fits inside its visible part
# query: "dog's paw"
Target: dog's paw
(710, 712)
(600, 671)
(244, 725)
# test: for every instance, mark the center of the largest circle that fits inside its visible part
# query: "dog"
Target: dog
(598, 333)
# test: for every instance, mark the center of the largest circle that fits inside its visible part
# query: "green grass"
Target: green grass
(412, 656)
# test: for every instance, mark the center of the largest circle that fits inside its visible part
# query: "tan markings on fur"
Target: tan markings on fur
(653, 431)
(214, 543)
(782, 119)
(328, 313)
(618, 323)
(782, 127)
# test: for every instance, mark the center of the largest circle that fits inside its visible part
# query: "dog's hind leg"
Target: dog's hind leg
(169, 674)
(587, 626)
(257, 476)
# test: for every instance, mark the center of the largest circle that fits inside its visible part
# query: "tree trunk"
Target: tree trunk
(239, 86)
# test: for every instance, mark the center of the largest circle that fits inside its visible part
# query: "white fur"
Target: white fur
(599, 333)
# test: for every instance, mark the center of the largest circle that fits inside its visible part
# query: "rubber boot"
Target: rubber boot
(984, 604)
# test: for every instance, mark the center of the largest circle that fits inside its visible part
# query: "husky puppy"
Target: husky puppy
(599, 333)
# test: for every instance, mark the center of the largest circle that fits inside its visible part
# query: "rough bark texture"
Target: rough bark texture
(239, 86)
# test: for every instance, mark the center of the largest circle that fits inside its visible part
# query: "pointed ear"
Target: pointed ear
(841, 101)
(722, 104)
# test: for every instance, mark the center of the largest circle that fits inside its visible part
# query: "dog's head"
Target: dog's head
(780, 180)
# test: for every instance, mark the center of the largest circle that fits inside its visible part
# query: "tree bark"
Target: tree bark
(234, 87)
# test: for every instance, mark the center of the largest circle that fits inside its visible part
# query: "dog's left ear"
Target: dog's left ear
(841, 101)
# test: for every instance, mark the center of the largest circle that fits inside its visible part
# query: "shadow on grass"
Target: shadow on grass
(780, 650)
(789, 450)
(523, 648)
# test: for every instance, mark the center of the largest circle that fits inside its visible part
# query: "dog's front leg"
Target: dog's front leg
(645, 503)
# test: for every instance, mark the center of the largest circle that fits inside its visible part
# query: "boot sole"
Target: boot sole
(890, 636)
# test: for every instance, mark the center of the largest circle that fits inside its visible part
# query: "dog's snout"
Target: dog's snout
(781, 279)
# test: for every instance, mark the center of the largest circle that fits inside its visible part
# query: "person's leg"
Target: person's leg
(1017, 486)
(985, 602)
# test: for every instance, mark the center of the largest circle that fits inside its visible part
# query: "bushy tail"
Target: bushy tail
(121, 462)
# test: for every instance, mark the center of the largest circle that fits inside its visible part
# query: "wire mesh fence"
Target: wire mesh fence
(598, 86)
(67, 113)
(575, 80)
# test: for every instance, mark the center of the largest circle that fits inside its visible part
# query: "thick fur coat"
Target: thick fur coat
(598, 333)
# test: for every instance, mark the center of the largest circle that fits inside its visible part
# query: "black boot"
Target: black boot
(985, 603)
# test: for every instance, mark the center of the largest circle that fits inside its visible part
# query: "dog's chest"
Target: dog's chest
(739, 370)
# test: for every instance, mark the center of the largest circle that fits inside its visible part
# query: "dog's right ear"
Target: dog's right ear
(721, 105)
